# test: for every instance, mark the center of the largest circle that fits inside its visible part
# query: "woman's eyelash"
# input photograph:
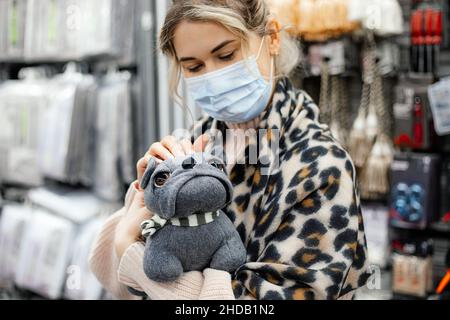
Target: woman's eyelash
(195, 69)
(227, 57)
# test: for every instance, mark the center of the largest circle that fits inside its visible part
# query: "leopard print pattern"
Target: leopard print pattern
(301, 224)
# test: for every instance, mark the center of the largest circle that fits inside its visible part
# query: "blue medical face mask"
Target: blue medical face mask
(236, 93)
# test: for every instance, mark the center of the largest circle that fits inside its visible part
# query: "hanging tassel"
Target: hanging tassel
(344, 112)
(372, 126)
(375, 175)
(357, 142)
(324, 99)
(335, 126)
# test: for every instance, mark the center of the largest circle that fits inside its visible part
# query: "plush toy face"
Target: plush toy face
(186, 185)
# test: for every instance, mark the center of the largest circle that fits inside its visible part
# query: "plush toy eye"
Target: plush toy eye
(161, 178)
(217, 165)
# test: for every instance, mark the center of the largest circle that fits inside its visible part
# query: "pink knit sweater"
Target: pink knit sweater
(116, 274)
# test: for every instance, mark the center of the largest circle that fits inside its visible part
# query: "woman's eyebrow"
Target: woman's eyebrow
(220, 46)
(217, 48)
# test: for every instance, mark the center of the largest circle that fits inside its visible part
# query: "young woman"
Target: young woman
(301, 221)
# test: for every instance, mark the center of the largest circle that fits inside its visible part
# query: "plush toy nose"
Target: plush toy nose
(188, 163)
(201, 194)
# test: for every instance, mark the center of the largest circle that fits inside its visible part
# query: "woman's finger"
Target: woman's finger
(138, 202)
(159, 151)
(171, 143)
(187, 146)
(200, 143)
(141, 166)
(137, 206)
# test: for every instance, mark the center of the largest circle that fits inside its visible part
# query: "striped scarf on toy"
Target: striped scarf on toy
(149, 227)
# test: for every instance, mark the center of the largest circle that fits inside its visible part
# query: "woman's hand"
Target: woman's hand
(128, 230)
(167, 148)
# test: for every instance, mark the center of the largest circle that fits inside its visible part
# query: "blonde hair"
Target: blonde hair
(239, 17)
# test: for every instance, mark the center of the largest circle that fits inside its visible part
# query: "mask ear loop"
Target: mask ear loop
(272, 67)
(258, 56)
(260, 47)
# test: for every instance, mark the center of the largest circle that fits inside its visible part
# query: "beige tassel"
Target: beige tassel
(372, 125)
(375, 175)
(357, 144)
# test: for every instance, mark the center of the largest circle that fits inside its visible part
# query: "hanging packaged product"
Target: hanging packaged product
(441, 260)
(444, 211)
(413, 271)
(413, 117)
(14, 221)
(114, 152)
(21, 106)
(340, 55)
(376, 222)
(81, 284)
(123, 26)
(439, 96)
(47, 242)
(63, 144)
(84, 213)
(78, 206)
(44, 29)
(388, 54)
(414, 199)
(3, 29)
(315, 20)
(12, 23)
(426, 37)
(383, 17)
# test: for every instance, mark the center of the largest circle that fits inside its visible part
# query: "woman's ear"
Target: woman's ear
(151, 166)
(274, 28)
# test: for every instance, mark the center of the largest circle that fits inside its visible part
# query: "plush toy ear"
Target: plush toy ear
(151, 166)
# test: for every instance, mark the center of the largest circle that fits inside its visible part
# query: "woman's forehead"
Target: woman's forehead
(192, 38)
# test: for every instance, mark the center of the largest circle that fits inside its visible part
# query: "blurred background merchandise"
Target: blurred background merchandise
(84, 92)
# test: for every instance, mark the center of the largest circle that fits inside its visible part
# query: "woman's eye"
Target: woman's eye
(161, 178)
(194, 69)
(227, 56)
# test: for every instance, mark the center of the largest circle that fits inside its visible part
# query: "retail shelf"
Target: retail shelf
(102, 57)
(441, 227)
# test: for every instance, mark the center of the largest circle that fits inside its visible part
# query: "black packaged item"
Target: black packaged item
(444, 143)
(440, 262)
(444, 211)
(413, 118)
(414, 199)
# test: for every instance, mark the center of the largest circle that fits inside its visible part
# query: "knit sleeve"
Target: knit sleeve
(103, 260)
(316, 247)
(192, 285)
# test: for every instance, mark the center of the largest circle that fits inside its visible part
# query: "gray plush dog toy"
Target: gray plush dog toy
(188, 231)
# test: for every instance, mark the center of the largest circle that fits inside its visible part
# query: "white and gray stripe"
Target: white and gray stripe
(149, 227)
